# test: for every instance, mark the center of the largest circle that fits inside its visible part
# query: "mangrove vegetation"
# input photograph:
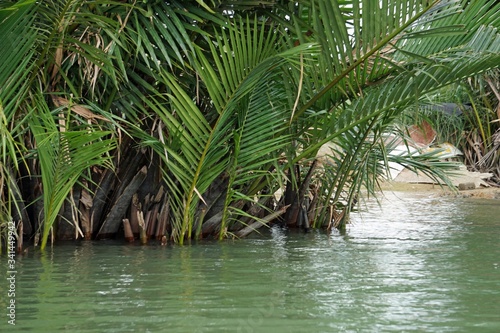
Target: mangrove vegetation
(183, 120)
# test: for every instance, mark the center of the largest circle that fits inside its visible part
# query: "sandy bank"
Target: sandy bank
(480, 192)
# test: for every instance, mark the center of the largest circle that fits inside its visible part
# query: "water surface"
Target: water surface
(417, 263)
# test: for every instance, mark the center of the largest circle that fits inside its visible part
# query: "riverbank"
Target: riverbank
(479, 192)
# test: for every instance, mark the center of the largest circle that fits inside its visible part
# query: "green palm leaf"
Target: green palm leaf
(199, 151)
(16, 52)
(405, 60)
(64, 156)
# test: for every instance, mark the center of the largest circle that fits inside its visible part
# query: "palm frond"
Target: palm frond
(356, 125)
(199, 151)
(64, 156)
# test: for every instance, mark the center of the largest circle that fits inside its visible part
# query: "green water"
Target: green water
(416, 264)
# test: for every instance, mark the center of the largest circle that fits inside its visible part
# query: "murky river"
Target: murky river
(417, 263)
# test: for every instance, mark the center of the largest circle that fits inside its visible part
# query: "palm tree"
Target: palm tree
(377, 73)
(54, 135)
(205, 109)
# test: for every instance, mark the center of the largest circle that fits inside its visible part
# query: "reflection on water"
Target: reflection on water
(415, 264)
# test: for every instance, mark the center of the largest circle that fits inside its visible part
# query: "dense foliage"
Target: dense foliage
(187, 117)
